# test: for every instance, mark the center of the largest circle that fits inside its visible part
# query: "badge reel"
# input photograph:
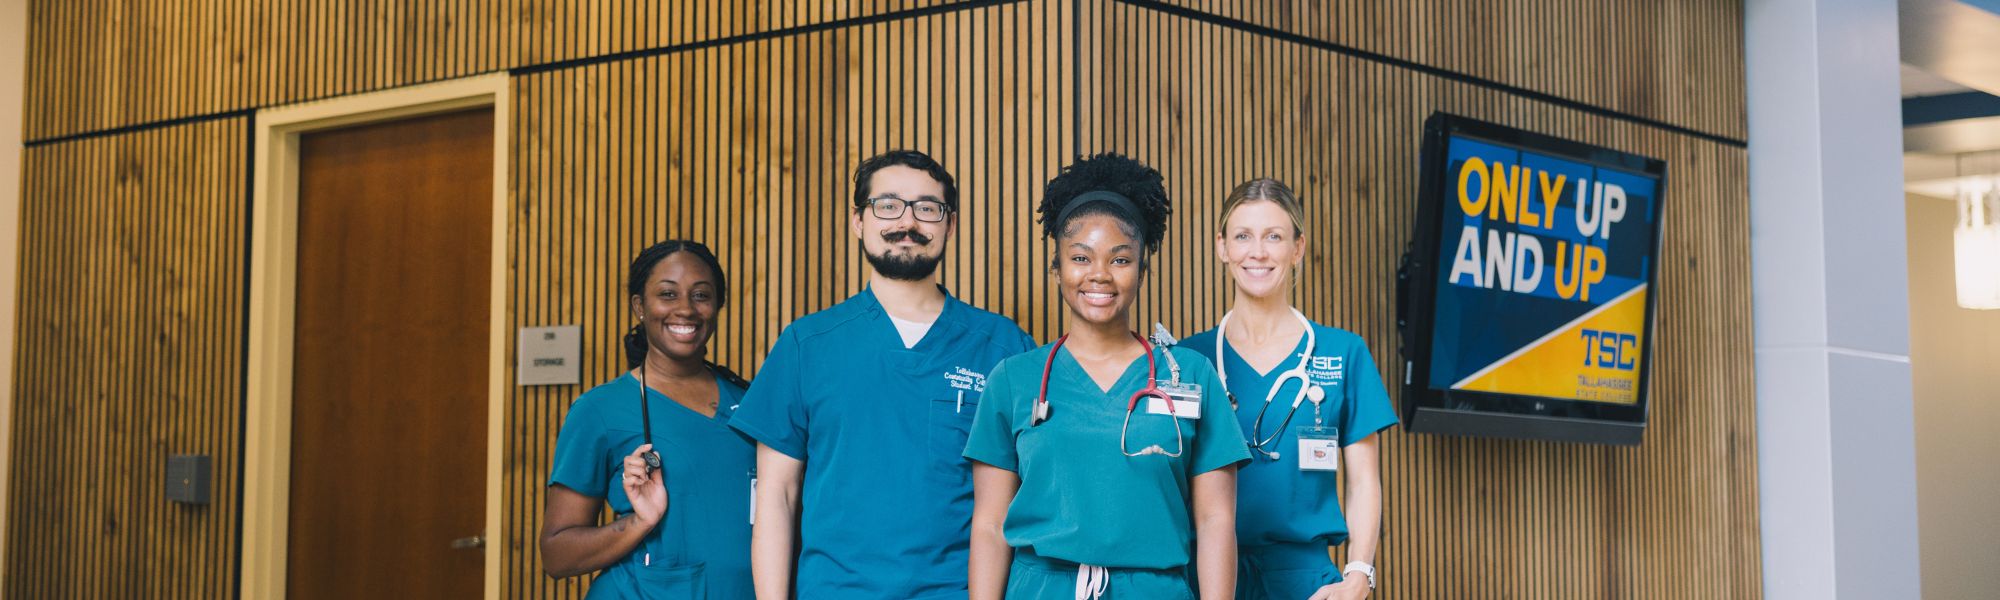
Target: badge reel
(1186, 396)
(1319, 445)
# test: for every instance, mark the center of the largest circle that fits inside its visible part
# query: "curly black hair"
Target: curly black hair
(1114, 173)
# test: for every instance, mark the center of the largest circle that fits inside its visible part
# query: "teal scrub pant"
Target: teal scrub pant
(1283, 571)
(1035, 577)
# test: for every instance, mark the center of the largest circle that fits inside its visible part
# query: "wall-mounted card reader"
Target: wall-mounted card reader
(188, 478)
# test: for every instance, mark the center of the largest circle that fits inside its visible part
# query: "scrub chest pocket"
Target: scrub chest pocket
(659, 582)
(949, 427)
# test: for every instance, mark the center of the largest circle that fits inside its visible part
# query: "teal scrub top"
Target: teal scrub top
(701, 549)
(1276, 503)
(887, 500)
(1081, 499)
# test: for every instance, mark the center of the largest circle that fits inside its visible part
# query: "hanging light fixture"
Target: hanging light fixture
(1977, 243)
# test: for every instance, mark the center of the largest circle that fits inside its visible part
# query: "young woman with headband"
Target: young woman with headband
(1104, 466)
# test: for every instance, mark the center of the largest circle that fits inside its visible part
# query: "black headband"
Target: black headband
(1121, 207)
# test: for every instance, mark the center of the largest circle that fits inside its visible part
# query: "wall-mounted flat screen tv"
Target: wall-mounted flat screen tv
(1526, 298)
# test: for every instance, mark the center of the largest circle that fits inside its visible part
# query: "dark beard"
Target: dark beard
(903, 268)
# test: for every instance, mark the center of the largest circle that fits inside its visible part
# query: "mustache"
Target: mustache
(909, 234)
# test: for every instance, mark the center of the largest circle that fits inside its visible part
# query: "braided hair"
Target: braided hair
(635, 284)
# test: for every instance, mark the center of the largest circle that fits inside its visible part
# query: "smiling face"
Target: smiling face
(678, 307)
(1097, 269)
(1262, 248)
(903, 248)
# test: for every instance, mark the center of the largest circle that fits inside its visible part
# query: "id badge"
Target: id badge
(1319, 449)
(753, 499)
(1186, 397)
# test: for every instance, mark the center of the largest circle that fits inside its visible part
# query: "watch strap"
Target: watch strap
(1365, 569)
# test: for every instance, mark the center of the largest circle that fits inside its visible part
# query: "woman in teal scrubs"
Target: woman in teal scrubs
(1289, 511)
(682, 529)
(1096, 493)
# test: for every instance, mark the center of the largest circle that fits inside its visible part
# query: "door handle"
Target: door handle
(468, 543)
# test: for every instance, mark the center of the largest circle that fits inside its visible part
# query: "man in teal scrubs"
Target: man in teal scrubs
(1287, 516)
(861, 410)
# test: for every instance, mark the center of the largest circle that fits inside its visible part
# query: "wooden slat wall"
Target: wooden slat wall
(748, 145)
(748, 148)
(1677, 62)
(130, 349)
(1466, 518)
(102, 64)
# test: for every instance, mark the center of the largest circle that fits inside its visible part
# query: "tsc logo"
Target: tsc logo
(1610, 350)
(1327, 371)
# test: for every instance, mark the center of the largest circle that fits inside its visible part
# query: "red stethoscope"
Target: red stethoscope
(1152, 391)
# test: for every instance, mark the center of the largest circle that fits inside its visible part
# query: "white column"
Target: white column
(1836, 452)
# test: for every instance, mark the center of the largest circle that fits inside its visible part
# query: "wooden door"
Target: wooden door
(389, 389)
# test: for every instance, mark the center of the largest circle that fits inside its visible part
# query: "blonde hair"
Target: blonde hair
(1268, 190)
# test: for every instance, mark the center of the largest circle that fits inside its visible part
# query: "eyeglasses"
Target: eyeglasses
(891, 207)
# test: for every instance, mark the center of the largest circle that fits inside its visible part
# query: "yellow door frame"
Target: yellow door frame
(273, 281)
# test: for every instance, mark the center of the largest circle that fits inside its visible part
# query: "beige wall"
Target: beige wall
(1955, 359)
(13, 74)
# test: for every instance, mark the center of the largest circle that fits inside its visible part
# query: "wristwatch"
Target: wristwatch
(1362, 568)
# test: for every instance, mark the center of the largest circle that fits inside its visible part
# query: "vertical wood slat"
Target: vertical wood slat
(130, 345)
(118, 63)
(1628, 57)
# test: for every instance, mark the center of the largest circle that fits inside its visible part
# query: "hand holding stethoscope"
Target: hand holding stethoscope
(1152, 392)
(644, 482)
(1306, 391)
(645, 485)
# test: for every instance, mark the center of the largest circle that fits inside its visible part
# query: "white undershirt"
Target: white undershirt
(911, 331)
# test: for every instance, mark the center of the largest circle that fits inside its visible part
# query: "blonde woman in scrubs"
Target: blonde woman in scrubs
(1318, 424)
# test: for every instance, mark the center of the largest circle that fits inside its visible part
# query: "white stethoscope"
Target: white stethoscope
(1151, 391)
(1307, 390)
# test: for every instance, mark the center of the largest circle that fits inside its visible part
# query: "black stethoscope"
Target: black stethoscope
(1151, 391)
(652, 455)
